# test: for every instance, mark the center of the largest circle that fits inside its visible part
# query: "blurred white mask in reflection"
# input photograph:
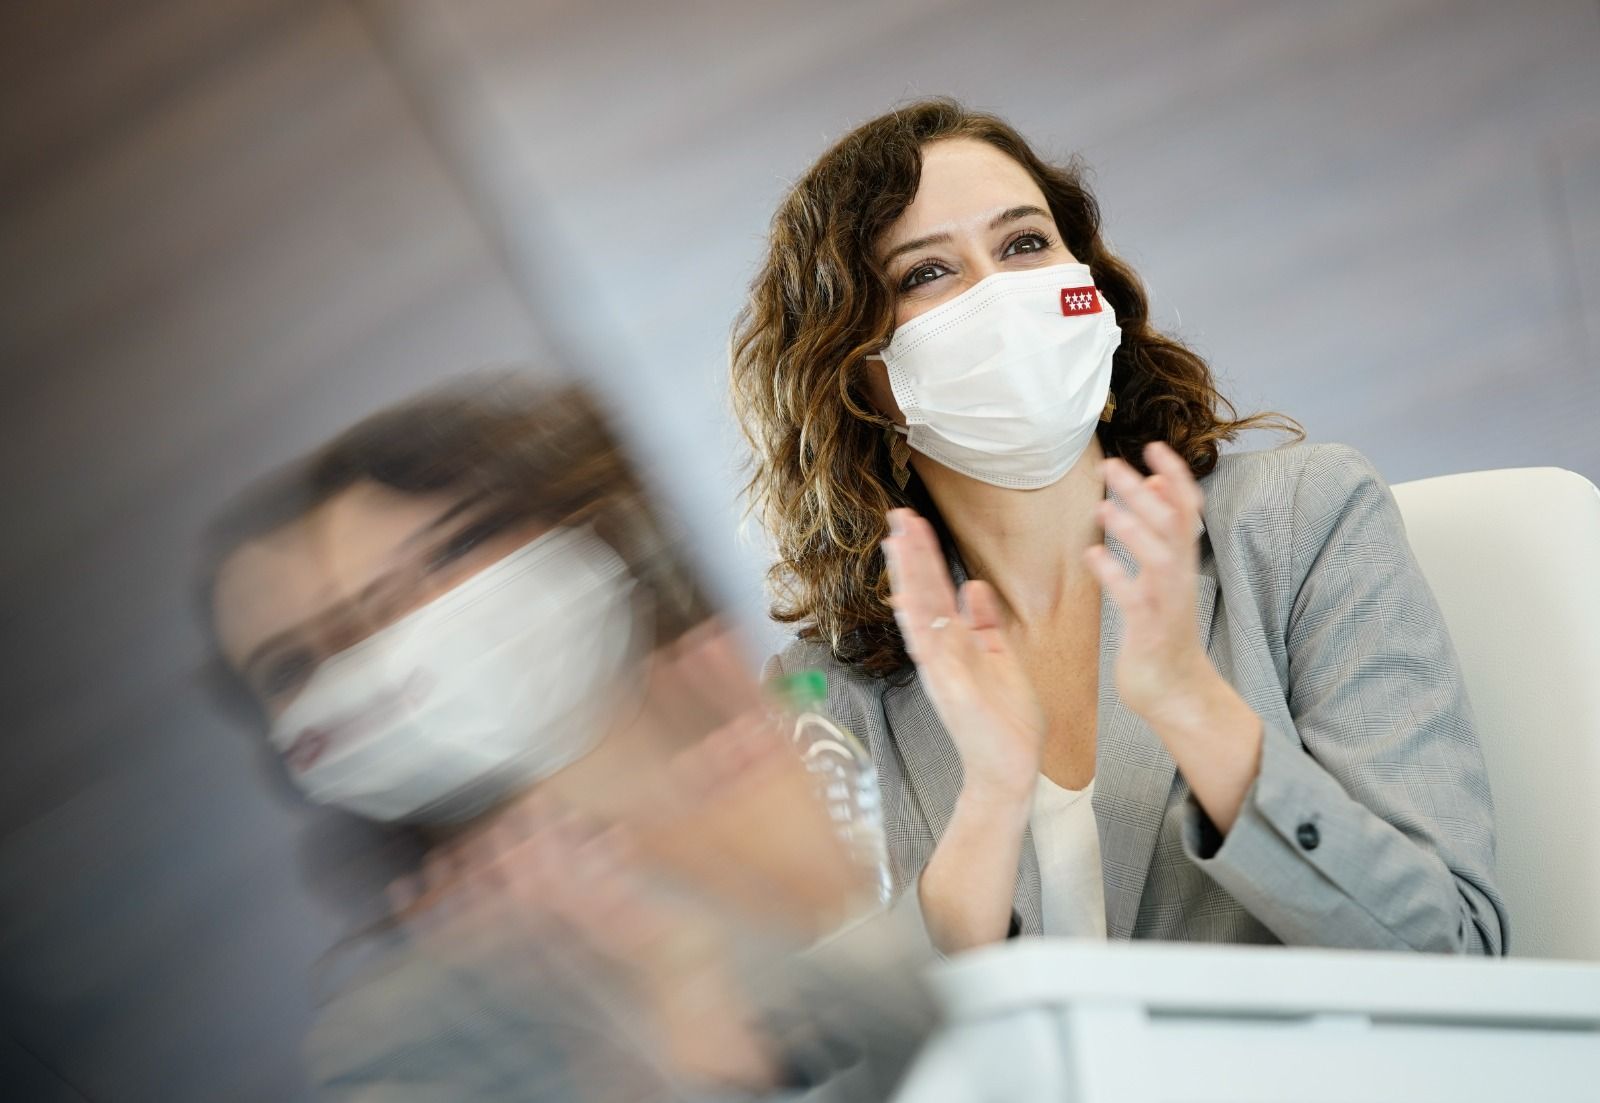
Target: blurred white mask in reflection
(493, 685)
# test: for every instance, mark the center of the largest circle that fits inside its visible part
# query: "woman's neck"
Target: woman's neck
(1027, 544)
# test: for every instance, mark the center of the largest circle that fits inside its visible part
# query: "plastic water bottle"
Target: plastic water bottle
(846, 780)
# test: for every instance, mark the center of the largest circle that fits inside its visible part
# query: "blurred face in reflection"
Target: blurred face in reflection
(427, 658)
(364, 559)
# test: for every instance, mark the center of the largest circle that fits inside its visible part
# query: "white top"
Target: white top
(1067, 842)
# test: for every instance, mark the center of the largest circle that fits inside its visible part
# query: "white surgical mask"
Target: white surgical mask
(1006, 381)
(495, 684)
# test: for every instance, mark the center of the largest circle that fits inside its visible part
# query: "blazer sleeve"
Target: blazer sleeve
(1370, 824)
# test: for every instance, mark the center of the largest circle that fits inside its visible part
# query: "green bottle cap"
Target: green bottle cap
(802, 691)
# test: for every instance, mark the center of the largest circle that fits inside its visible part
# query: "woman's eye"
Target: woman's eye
(921, 274)
(466, 541)
(286, 673)
(1027, 243)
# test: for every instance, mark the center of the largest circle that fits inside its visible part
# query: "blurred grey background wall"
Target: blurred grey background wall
(229, 227)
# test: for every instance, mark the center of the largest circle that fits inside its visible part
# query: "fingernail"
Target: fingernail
(897, 524)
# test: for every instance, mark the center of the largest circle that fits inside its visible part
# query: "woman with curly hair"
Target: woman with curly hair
(1117, 683)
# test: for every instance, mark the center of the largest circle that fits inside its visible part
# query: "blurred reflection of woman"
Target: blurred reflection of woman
(1117, 683)
(461, 618)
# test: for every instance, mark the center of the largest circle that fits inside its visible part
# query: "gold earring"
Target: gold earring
(1111, 406)
(899, 457)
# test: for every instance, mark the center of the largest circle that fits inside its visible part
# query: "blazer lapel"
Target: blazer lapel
(928, 755)
(1133, 771)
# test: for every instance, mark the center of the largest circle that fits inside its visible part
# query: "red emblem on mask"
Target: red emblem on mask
(1079, 300)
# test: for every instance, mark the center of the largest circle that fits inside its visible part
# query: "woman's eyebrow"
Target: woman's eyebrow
(443, 519)
(266, 647)
(1010, 214)
(290, 635)
(1014, 213)
(915, 244)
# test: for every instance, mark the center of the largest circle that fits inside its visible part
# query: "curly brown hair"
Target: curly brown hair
(821, 476)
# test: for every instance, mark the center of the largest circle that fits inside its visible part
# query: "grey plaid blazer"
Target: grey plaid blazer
(1370, 824)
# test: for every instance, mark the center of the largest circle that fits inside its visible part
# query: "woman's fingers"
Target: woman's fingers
(917, 568)
(622, 917)
(1154, 517)
(1116, 581)
(1141, 497)
(1153, 552)
(602, 879)
(980, 608)
(924, 599)
(1178, 481)
(749, 742)
(712, 662)
(700, 681)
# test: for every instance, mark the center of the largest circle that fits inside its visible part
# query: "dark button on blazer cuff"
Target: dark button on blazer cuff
(1307, 836)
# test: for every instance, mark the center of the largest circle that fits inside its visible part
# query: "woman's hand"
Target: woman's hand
(995, 720)
(739, 820)
(967, 668)
(545, 879)
(1162, 671)
(1162, 657)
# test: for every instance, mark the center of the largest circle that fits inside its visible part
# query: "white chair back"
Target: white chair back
(1513, 558)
